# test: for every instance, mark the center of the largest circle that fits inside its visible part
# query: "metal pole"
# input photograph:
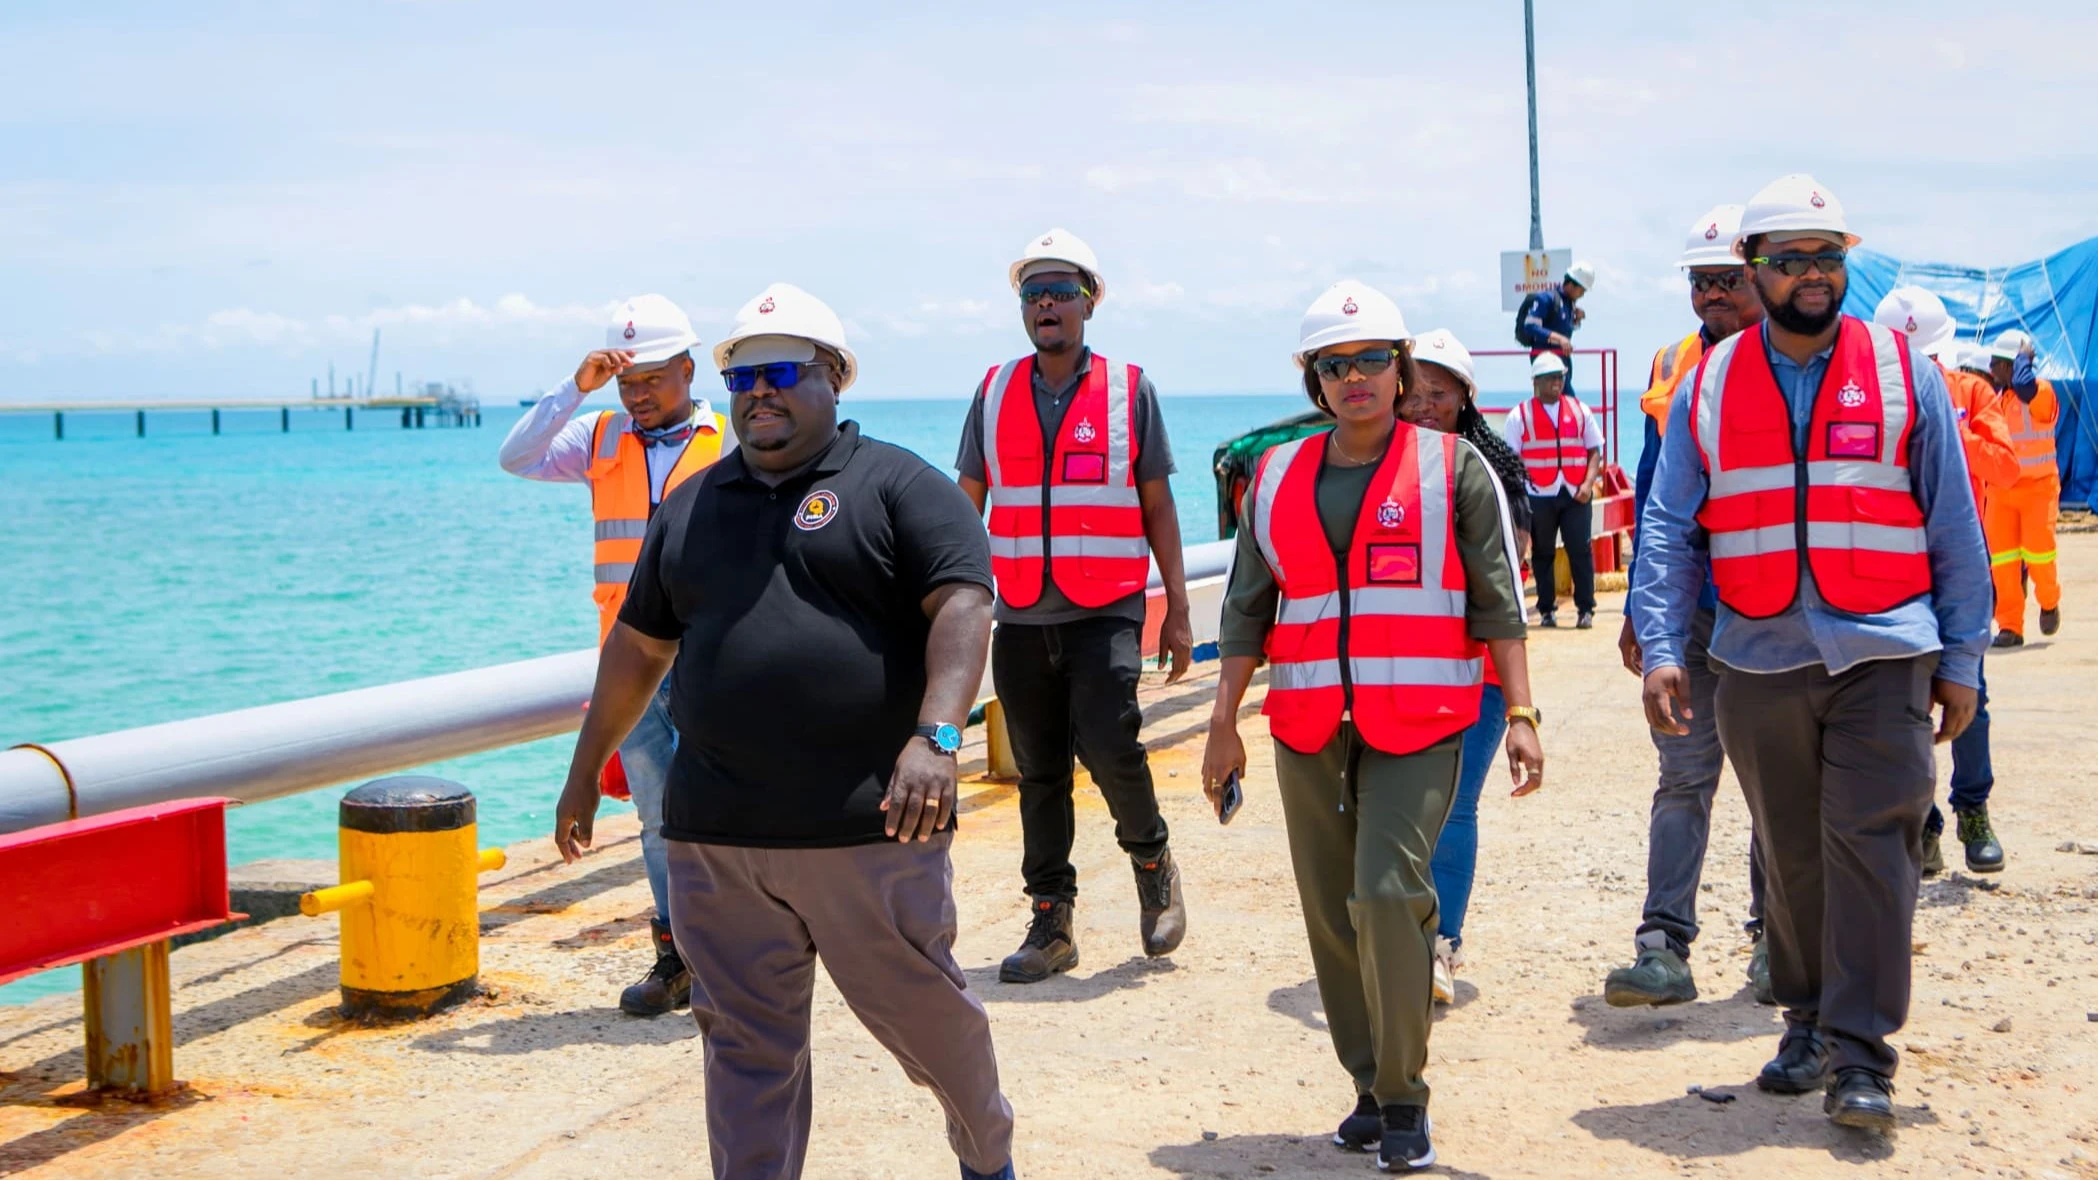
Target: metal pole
(58, 424)
(214, 420)
(142, 424)
(284, 418)
(1530, 72)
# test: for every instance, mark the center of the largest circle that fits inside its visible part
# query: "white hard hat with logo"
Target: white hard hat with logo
(1346, 312)
(1711, 240)
(1441, 347)
(779, 324)
(2009, 343)
(1794, 206)
(652, 328)
(1920, 314)
(1546, 364)
(1059, 245)
(1970, 355)
(1582, 273)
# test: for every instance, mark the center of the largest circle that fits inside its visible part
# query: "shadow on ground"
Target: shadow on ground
(1263, 1157)
(537, 1032)
(1690, 1127)
(1635, 1030)
(1134, 972)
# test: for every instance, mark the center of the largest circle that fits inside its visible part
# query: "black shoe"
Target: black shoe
(1801, 1064)
(1984, 854)
(1862, 1099)
(2050, 621)
(1162, 914)
(1049, 947)
(667, 986)
(1585, 621)
(1362, 1130)
(2008, 639)
(1405, 1144)
(1547, 619)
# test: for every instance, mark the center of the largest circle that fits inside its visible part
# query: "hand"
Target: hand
(1585, 492)
(573, 817)
(1176, 640)
(1628, 648)
(1580, 315)
(921, 793)
(1560, 342)
(601, 366)
(1667, 697)
(1960, 704)
(1525, 758)
(1222, 755)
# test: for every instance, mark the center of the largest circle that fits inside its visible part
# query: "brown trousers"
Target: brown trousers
(750, 923)
(1839, 776)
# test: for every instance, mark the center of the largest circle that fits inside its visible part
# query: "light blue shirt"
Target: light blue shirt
(550, 443)
(1674, 560)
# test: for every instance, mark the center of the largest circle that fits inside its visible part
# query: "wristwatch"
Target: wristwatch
(944, 738)
(1529, 713)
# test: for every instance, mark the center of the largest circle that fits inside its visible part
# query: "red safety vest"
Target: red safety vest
(1084, 511)
(1545, 444)
(1863, 535)
(1412, 673)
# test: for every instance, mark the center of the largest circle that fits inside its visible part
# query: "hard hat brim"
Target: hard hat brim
(663, 350)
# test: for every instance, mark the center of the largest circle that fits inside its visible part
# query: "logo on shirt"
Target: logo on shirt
(1390, 514)
(1084, 431)
(1349, 308)
(765, 308)
(1850, 397)
(1712, 231)
(629, 333)
(817, 510)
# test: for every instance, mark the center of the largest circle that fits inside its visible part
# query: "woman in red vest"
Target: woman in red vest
(1374, 577)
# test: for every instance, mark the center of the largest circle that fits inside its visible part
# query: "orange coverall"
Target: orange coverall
(2020, 518)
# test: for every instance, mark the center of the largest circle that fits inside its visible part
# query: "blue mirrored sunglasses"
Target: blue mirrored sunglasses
(778, 374)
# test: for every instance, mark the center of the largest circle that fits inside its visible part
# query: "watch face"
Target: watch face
(948, 738)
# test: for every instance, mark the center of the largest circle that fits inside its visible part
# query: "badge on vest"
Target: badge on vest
(1853, 440)
(1085, 466)
(1395, 565)
(817, 510)
(1390, 514)
(1084, 431)
(1851, 396)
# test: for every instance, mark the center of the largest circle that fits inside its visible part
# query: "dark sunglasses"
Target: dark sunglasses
(1795, 265)
(1726, 281)
(1060, 290)
(1368, 362)
(778, 374)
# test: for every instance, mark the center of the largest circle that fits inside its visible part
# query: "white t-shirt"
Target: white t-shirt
(1516, 429)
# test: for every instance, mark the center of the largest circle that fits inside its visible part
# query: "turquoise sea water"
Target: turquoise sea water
(182, 574)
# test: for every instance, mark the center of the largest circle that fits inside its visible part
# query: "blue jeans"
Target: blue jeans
(646, 755)
(1457, 849)
(1972, 776)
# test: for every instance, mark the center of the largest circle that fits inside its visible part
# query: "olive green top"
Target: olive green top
(1493, 597)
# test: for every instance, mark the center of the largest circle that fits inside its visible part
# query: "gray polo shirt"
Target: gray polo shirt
(1154, 460)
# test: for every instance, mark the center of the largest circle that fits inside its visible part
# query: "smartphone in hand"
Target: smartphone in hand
(1234, 798)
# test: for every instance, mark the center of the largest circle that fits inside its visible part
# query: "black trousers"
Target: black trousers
(1553, 517)
(1839, 775)
(1070, 688)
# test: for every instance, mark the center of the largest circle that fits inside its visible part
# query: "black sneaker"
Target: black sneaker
(1362, 1130)
(1984, 854)
(1405, 1144)
(1547, 619)
(2050, 621)
(2008, 639)
(1585, 621)
(1049, 947)
(667, 986)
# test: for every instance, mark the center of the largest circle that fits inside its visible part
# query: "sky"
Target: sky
(222, 199)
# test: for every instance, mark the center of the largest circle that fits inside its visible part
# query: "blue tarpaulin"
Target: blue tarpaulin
(2055, 299)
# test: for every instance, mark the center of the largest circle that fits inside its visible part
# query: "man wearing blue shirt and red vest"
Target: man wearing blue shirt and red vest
(1068, 450)
(1816, 469)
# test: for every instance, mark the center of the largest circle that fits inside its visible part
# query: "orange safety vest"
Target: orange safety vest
(1671, 365)
(1985, 436)
(1081, 506)
(1862, 536)
(2032, 432)
(1395, 615)
(1544, 450)
(620, 500)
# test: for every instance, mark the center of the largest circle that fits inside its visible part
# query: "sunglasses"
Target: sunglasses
(1059, 290)
(1368, 362)
(1795, 265)
(778, 374)
(1727, 281)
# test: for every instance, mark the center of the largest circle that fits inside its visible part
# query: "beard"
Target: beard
(1788, 316)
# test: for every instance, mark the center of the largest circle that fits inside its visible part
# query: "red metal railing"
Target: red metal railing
(1604, 391)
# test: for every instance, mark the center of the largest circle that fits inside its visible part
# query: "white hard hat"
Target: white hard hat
(1546, 364)
(1920, 314)
(1797, 205)
(784, 309)
(2009, 343)
(651, 327)
(1711, 240)
(1582, 273)
(1441, 347)
(1059, 245)
(1969, 354)
(1346, 312)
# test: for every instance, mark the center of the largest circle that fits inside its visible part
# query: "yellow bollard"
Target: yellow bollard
(411, 934)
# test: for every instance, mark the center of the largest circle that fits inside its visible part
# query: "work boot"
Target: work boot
(1405, 1145)
(1660, 976)
(1933, 855)
(666, 987)
(1984, 854)
(1443, 978)
(1050, 945)
(1547, 619)
(1162, 916)
(2050, 621)
(1801, 1064)
(2008, 639)
(1585, 621)
(1759, 971)
(1362, 1130)
(1862, 1099)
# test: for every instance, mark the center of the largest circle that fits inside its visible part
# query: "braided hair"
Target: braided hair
(1506, 464)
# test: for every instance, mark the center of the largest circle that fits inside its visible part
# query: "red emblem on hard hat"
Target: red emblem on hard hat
(1348, 308)
(765, 308)
(1912, 323)
(1816, 201)
(1048, 239)
(629, 333)
(1712, 231)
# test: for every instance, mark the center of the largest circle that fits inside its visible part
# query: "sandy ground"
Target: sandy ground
(1214, 1063)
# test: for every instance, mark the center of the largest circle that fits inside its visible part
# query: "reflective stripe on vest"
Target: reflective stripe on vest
(1394, 619)
(2033, 442)
(1671, 366)
(1544, 452)
(621, 503)
(1862, 535)
(1075, 500)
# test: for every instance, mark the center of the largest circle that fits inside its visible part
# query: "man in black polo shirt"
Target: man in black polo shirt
(822, 602)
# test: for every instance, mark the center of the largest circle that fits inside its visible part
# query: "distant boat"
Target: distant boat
(528, 401)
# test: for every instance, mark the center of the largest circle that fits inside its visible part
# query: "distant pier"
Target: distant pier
(416, 412)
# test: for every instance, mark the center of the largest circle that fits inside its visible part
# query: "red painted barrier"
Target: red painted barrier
(92, 887)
